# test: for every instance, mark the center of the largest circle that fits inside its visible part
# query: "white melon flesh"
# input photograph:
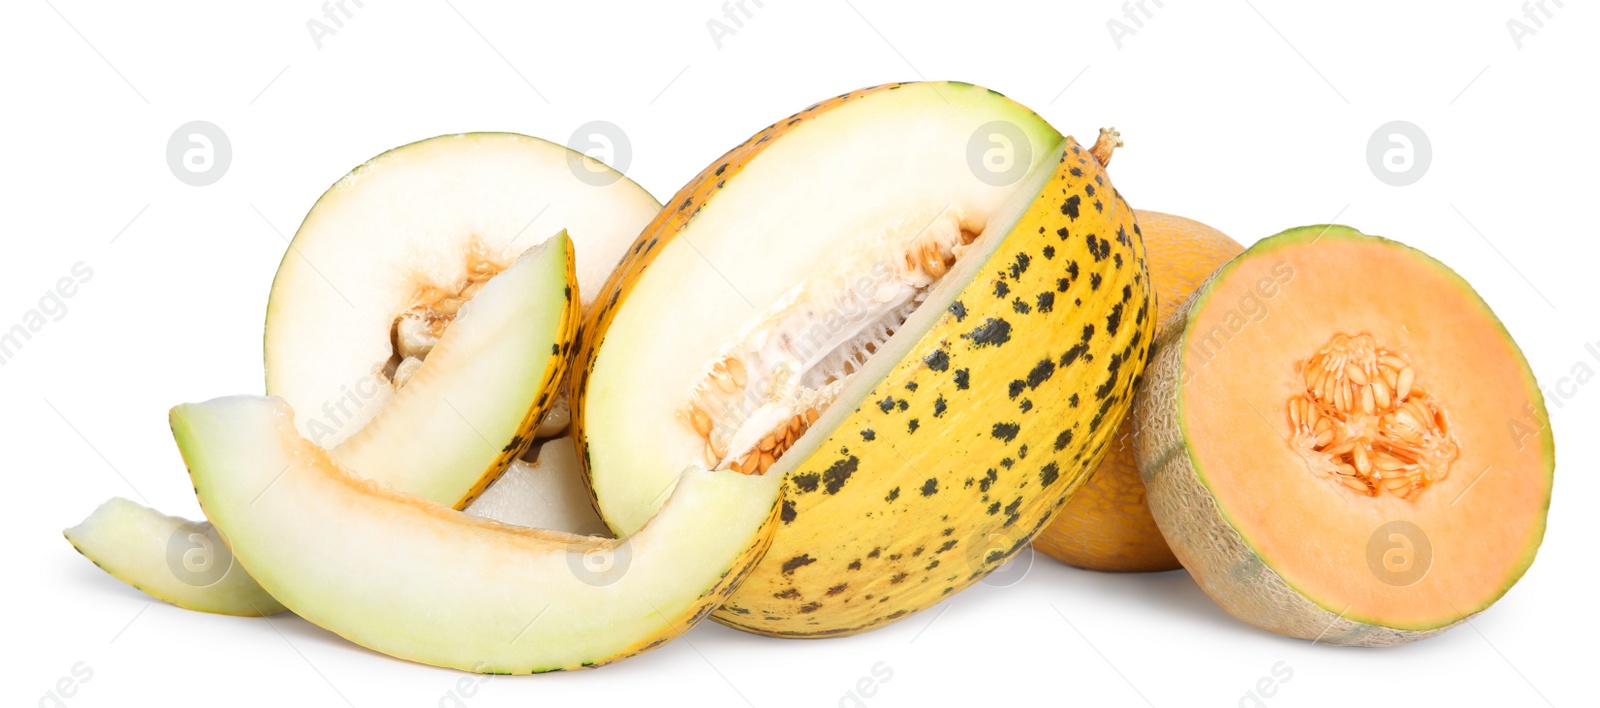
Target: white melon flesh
(813, 302)
(547, 493)
(420, 581)
(409, 225)
(170, 558)
(460, 415)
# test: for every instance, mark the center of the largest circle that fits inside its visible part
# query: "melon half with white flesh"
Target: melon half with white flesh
(420, 581)
(377, 273)
(882, 298)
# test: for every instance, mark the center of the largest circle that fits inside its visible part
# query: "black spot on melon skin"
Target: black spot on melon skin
(1026, 405)
(1094, 281)
(993, 332)
(903, 404)
(962, 379)
(788, 513)
(869, 435)
(1007, 463)
(724, 166)
(1022, 452)
(835, 590)
(988, 480)
(686, 202)
(930, 487)
(1111, 377)
(797, 562)
(898, 578)
(807, 482)
(1020, 266)
(1020, 307)
(1045, 301)
(1063, 440)
(1041, 373)
(810, 607)
(958, 310)
(838, 474)
(1062, 284)
(911, 427)
(1005, 431)
(1114, 319)
(939, 407)
(876, 551)
(855, 564)
(1011, 511)
(1088, 190)
(1116, 258)
(1063, 233)
(947, 546)
(1048, 474)
(1077, 172)
(893, 495)
(938, 361)
(790, 594)
(1100, 415)
(1073, 400)
(911, 386)
(1001, 289)
(886, 404)
(1070, 207)
(1049, 252)
(994, 508)
(931, 565)
(1016, 387)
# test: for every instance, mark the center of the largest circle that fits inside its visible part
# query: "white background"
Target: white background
(1251, 116)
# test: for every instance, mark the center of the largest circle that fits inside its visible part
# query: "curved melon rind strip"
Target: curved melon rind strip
(1223, 562)
(130, 542)
(422, 582)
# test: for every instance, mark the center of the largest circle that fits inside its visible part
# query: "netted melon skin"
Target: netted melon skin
(1213, 551)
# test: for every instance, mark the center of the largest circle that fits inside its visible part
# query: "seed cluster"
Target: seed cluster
(1362, 409)
(416, 331)
(716, 408)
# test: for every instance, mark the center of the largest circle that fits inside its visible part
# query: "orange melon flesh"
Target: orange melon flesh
(1278, 305)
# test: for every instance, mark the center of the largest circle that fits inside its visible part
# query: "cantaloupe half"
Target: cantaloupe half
(918, 303)
(1107, 524)
(420, 581)
(1327, 442)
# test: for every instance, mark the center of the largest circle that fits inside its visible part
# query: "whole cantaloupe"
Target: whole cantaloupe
(1107, 524)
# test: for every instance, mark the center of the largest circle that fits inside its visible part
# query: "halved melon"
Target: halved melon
(1107, 525)
(420, 581)
(1323, 439)
(371, 286)
(918, 303)
(180, 561)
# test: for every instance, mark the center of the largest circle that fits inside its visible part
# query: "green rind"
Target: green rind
(1182, 501)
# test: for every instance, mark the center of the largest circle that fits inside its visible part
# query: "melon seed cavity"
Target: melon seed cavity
(1364, 420)
(762, 392)
(416, 331)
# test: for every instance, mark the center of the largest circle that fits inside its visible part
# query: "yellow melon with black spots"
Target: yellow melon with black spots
(919, 303)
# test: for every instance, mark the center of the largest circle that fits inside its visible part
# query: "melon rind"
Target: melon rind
(884, 517)
(1208, 543)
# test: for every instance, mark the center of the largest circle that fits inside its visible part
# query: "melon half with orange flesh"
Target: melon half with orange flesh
(1326, 442)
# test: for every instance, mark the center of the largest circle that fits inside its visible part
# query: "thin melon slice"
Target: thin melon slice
(377, 273)
(180, 561)
(919, 303)
(1326, 441)
(420, 581)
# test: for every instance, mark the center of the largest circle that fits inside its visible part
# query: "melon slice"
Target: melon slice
(420, 581)
(180, 561)
(1326, 441)
(1107, 525)
(490, 376)
(888, 299)
(372, 283)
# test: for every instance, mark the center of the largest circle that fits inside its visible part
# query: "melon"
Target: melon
(1323, 439)
(918, 304)
(420, 581)
(444, 358)
(1107, 524)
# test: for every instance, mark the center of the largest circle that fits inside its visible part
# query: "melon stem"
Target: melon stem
(1109, 140)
